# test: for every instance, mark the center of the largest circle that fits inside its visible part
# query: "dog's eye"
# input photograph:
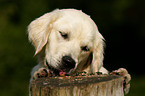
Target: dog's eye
(85, 48)
(64, 35)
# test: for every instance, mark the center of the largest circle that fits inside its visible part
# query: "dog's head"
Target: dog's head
(69, 38)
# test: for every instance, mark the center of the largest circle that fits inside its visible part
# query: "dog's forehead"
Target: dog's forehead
(76, 23)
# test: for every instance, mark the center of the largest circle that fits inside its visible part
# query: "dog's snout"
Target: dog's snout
(68, 62)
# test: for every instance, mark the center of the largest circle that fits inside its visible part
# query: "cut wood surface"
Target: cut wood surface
(100, 85)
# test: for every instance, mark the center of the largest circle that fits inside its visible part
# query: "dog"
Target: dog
(67, 40)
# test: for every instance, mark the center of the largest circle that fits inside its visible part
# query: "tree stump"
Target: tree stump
(100, 85)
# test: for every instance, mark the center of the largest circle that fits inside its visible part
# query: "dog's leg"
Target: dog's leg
(38, 71)
(103, 70)
(41, 73)
(123, 72)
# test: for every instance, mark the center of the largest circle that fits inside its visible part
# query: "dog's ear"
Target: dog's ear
(40, 29)
(98, 53)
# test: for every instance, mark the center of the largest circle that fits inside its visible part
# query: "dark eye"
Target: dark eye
(85, 48)
(64, 35)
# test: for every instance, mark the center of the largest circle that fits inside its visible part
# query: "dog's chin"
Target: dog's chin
(68, 71)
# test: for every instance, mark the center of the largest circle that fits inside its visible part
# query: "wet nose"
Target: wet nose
(68, 62)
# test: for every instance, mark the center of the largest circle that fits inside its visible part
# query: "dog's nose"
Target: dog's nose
(68, 62)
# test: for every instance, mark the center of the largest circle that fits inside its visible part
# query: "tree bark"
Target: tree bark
(100, 85)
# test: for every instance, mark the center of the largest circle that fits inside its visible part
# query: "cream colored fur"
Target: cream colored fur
(45, 35)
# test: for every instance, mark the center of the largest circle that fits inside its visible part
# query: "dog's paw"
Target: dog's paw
(41, 73)
(123, 72)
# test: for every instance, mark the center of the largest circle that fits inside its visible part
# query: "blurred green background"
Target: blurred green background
(121, 22)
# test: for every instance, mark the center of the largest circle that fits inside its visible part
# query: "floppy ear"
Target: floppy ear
(39, 30)
(97, 61)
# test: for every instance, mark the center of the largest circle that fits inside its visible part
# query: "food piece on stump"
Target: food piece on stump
(83, 73)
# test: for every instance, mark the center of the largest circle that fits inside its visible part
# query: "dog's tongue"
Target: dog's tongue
(61, 73)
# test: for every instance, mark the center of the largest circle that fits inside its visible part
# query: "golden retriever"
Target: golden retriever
(67, 40)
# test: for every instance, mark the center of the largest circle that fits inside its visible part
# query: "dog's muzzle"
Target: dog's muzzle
(67, 64)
